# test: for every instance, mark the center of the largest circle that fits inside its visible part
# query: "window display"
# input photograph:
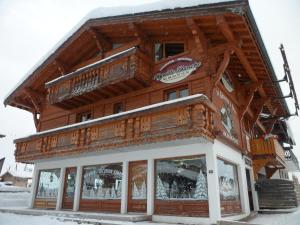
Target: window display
(138, 181)
(181, 178)
(48, 183)
(228, 181)
(102, 182)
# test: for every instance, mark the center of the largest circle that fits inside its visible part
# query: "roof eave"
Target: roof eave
(232, 6)
(265, 54)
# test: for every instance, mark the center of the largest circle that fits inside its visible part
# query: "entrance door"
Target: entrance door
(137, 186)
(249, 189)
(69, 188)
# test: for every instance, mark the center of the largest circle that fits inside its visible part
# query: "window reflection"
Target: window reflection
(139, 181)
(181, 179)
(48, 183)
(102, 182)
(228, 181)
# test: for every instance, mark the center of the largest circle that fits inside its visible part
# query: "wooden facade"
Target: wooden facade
(108, 72)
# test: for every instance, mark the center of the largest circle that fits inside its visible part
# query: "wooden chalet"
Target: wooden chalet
(155, 112)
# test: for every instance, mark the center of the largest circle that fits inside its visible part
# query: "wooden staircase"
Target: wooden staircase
(276, 194)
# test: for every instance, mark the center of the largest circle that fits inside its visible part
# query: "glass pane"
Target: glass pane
(48, 183)
(171, 95)
(181, 178)
(139, 181)
(102, 182)
(228, 181)
(70, 183)
(183, 93)
(173, 49)
(158, 48)
(118, 107)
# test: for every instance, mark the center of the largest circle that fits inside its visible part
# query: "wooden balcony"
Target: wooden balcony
(187, 117)
(267, 153)
(115, 75)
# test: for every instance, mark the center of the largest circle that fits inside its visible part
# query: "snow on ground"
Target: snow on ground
(17, 199)
(277, 219)
(14, 219)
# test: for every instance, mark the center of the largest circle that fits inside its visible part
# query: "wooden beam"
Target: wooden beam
(249, 92)
(221, 48)
(199, 36)
(222, 67)
(138, 32)
(103, 44)
(35, 98)
(226, 31)
(60, 66)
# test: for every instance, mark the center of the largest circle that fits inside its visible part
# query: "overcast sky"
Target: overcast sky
(30, 28)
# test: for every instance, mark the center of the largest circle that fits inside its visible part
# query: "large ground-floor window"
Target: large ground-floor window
(181, 186)
(48, 184)
(229, 188)
(102, 182)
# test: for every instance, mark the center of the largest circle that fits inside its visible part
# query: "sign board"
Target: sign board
(177, 70)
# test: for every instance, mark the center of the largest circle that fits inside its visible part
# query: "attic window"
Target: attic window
(165, 50)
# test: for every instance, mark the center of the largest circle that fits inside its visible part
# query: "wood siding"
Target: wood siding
(184, 119)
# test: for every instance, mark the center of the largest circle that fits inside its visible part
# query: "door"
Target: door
(69, 188)
(249, 189)
(137, 186)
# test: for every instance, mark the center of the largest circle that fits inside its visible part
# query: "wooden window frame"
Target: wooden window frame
(184, 42)
(177, 90)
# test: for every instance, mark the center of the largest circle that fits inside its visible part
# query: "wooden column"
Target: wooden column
(60, 188)
(150, 187)
(77, 188)
(124, 195)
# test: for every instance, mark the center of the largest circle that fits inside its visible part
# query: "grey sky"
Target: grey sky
(30, 28)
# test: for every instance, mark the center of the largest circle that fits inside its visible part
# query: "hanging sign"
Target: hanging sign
(176, 70)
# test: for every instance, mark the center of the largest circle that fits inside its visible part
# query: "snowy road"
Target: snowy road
(14, 199)
(13, 219)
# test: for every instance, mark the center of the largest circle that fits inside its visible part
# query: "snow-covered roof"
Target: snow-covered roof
(103, 12)
(21, 170)
(115, 116)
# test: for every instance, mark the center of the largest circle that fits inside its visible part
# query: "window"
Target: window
(228, 181)
(177, 93)
(48, 183)
(165, 50)
(181, 178)
(118, 107)
(102, 182)
(138, 181)
(81, 117)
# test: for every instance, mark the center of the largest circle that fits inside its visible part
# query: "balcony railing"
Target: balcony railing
(270, 147)
(115, 75)
(187, 117)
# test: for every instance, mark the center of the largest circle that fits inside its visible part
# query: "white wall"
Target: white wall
(195, 146)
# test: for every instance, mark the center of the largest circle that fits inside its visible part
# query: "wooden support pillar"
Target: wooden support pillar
(199, 37)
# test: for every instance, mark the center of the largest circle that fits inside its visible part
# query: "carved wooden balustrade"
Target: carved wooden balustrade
(267, 153)
(183, 118)
(118, 74)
